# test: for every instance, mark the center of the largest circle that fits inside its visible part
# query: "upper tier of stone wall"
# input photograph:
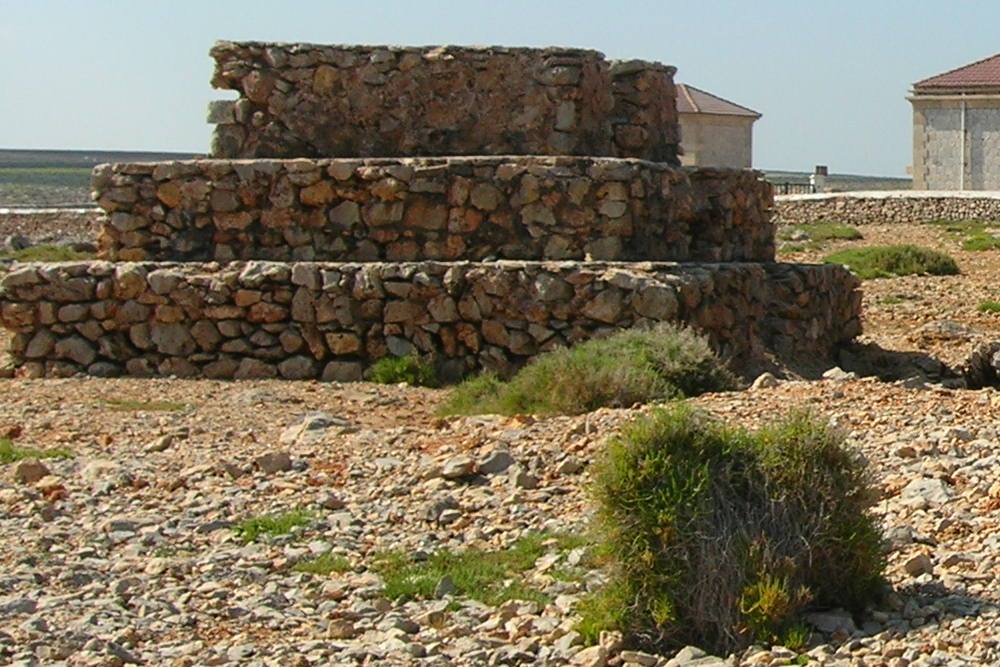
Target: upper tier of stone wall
(306, 100)
(305, 320)
(432, 208)
(881, 207)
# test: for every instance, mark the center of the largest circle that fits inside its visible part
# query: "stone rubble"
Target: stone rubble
(126, 554)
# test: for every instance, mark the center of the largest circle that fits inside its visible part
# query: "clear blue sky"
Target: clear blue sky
(829, 77)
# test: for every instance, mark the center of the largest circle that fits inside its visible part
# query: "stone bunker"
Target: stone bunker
(475, 206)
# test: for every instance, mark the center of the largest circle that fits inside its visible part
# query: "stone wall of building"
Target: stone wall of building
(888, 207)
(305, 100)
(308, 320)
(470, 208)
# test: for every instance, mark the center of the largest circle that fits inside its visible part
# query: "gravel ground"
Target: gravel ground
(126, 553)
(48, 226)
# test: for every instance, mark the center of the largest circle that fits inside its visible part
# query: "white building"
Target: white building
(714, 131)
(956, 128)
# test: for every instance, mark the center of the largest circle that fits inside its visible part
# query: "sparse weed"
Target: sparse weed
(323, 565)
(11, 453)
(129, 405)
(411, 370)
(272, 525)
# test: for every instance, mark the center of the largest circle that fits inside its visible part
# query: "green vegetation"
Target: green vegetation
(11, 453)
(822, 231)
(323, 565)
(70, 177)
(893, 261)
(720, 537)
(128, 405)
(47, 253)
(491, 577)
(974, 235)
(271, 525)
(411, 370)
(633, 366)
(988, 306)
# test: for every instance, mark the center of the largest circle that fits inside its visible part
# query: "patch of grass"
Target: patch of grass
(411, 370)
(720, 537)
(629, 367)
(129, 405)
(822, 231)
(988, 306)
(271, 525)
(491, 577)
(11, 453)
(893, 261)
(980, 242)
(795, 247)
(323, 565)
(974, 235)
(60, 176)
(47, 253)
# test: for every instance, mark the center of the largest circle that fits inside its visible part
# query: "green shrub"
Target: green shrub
(629, 367)
(988, 306)
(11, 453)
(272, 525)
(894, 260)
(720, 537)
(411, 370)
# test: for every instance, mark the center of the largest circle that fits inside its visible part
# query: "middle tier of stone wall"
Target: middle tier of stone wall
(326, 320)
(458, 208)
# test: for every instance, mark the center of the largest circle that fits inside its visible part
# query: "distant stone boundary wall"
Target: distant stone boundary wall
(881, 207)
(469, 208)
(305, 100)
(330, 321)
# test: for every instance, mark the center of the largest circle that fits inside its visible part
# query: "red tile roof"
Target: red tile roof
(695, 100)
(981, 74)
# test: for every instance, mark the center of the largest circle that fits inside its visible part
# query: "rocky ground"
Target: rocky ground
(64, 227)
(126, 552)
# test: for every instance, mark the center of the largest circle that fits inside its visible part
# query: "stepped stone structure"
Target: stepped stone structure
(475, 206)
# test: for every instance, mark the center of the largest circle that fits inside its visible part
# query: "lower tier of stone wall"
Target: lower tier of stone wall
(459, 208)
(890, 207)
(332, 320)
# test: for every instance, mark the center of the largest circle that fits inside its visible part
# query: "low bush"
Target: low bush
(411, 370)
(720, 537)
(895, 260)
(629, 367)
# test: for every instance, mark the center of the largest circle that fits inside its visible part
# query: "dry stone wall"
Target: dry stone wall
(307, 100)
(432, 208)
(474, 206)
(864, 208)
(330, 320)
